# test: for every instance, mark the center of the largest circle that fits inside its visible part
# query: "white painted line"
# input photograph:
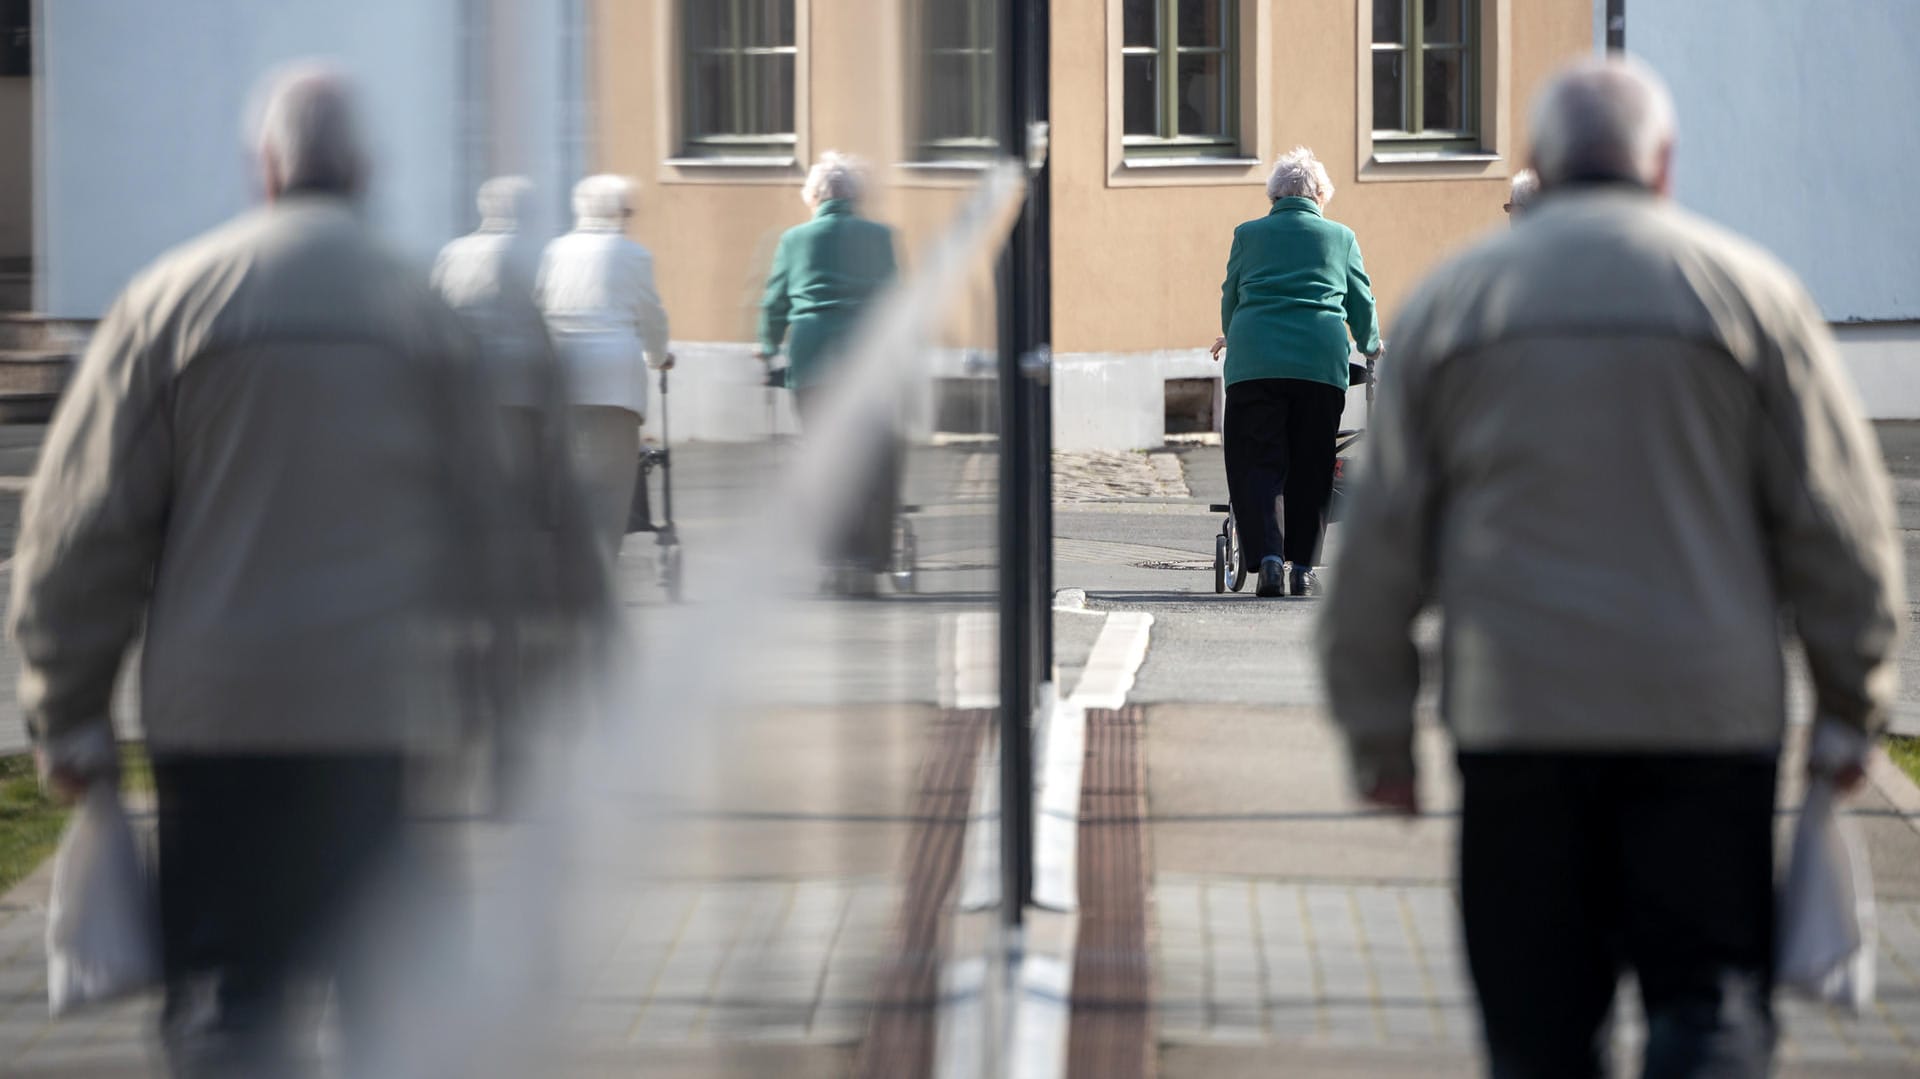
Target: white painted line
(959, 1049)
(1111, 667)
(1116, 658)
(1041, 1014)
(969, 650)
(980, 855)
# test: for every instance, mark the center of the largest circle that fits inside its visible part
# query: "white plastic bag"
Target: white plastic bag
(102, 942)
(1826, 938)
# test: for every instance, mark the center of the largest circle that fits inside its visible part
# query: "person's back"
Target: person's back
(1617, 449)
(588, 279)
(1291, 297)
(1599, 552)
(315, 412)
(842, 260)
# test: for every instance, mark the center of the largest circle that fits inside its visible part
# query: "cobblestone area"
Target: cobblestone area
(1271, 962)
(1095, 477)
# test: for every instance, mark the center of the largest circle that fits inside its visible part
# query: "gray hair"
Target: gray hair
(836, 176)
(308, 131)
(602, 200)
(1526, 185)
(504, 200)
(1602, 119)
(1298, 172)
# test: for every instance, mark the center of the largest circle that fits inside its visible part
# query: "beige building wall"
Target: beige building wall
(1138, 261)
(1138, 253)
(712, 230)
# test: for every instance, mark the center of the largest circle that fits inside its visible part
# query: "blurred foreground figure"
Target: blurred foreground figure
(825, 273)
(1520, 194)
(279, 456)
(1618, 451)
(596, 287)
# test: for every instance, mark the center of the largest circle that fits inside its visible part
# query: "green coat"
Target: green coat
(824, 274)
(1294, 287)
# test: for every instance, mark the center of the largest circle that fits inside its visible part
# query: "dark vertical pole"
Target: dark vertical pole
(1025, 537)
(1616, 25)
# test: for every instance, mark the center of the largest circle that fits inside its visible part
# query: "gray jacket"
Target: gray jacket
(278, 453)
(1615, 447)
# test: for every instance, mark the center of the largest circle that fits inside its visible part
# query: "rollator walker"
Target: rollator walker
(1229, 566)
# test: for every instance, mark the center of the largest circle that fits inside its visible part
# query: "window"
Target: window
(958, 108)
(738, 78)
(1180, 86)
(1425, 74)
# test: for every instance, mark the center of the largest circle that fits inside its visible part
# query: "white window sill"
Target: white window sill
(1189, 162)
(741, 161)
(1433, 157)
(950, 165)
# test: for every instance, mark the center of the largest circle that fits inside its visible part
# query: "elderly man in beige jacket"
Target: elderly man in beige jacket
(1618, 453)
(279, 455)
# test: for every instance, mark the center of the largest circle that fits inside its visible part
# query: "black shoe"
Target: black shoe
(1273, 578)
(1305, 581)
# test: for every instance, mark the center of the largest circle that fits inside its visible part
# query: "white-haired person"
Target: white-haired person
(825, 274)
(1295, 290)
(1520, 194)
(277, 466)
(1620, 454)
(604, 314)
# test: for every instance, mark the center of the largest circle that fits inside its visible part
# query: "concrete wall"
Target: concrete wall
(1796, 128)
(16, 167)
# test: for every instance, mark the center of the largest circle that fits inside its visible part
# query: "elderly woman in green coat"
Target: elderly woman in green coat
(825, 274)
(1295, 290)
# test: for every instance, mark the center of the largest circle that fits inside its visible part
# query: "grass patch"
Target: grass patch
(1905, 752)
(30, 822)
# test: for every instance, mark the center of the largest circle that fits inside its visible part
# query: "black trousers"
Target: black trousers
(1577, 868)
(267, 867)
(1278, 439)
(864, 539)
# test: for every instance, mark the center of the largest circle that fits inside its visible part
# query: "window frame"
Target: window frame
(1129, 166)
(1384, 157)
(1416, 137)
(1166, 52)
(728, 141)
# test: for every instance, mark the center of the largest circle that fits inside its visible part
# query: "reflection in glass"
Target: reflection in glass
(1389, 91)
(1203, 23)
(1140, 23)
(1202, 94)
(1444, 22)
(1389, 21)
(1444, 90)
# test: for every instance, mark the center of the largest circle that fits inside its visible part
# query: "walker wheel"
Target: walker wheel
(1221, 556)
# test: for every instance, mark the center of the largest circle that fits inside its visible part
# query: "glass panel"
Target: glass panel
(783, 22)
(1140, 23)
(1389, 21)
(948, 23)
(1142, 101)
(1444, 93)
(1203, 23)
(704, 20)
(709, 90)
(772, 90)
(1445, 22)
(1389, 91)
(1203, 101)
(947, 99)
